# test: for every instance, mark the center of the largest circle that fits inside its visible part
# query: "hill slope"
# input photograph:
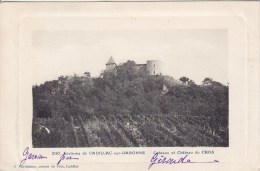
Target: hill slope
(129, 108)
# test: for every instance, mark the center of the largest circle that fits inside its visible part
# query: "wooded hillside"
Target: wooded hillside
(129, 108)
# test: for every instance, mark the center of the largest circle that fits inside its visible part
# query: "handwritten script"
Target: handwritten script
(30, 156)
(182, 160)
(63, 157)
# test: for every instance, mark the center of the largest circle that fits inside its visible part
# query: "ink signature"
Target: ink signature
(182, 160)
(29, 156)
(63, 157)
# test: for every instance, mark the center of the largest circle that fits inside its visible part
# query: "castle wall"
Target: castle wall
(110, 67)
(141, 68)
(154, 67)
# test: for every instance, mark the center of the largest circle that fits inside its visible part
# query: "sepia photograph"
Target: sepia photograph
(145, 88)
(129, 86)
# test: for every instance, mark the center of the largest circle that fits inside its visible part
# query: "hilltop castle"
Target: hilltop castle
(152, 67)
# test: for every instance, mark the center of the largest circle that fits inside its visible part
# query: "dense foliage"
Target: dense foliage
(127, 107)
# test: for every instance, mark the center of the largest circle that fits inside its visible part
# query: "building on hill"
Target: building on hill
(152, 67)
(110, 65)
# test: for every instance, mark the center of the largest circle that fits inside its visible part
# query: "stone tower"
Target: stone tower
(110, 65)
(154, 67)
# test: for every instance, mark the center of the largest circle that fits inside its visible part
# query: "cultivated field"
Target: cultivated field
(131, 131)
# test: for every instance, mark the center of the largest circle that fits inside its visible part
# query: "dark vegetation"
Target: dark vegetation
(129, 108)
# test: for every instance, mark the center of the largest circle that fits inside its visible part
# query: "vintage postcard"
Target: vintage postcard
(130, 86)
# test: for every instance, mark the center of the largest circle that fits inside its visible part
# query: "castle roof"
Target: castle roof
(110, 61)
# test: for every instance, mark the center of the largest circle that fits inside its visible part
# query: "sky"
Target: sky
(194, 53)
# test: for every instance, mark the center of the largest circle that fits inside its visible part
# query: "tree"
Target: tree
(135, 88)
(62, 79)
(207, 81)
(127, 71)
(191, 82)
(87, 74)
(184, 80)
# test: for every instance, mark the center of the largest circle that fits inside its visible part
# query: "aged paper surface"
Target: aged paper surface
(43, 41)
